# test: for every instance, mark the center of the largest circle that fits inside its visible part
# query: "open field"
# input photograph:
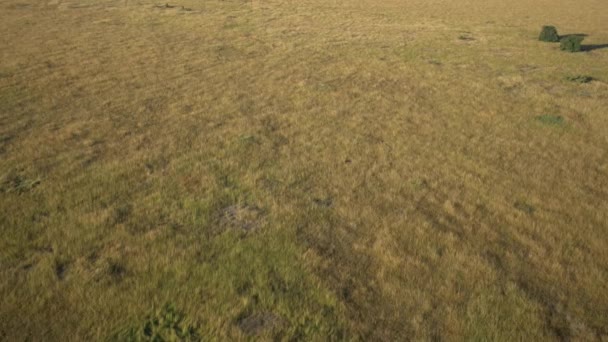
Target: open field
(303, 170)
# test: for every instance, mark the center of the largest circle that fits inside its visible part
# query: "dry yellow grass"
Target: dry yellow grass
(346, 170)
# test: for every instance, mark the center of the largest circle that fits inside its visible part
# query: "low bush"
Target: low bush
(571, 43)
(549, 34)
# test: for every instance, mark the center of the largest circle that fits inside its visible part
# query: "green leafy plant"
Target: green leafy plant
(571, 43)
(549, 34)
(167, 324)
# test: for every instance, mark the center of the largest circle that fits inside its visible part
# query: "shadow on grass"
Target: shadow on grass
(573, 35)
(591, 47)
(588, 47)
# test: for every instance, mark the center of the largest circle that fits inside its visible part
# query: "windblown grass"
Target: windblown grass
(309, 170)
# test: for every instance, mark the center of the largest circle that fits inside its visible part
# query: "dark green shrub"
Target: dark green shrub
(571, 43)
(549, 34)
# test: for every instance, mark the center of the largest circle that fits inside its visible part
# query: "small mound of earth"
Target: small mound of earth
(257, 323)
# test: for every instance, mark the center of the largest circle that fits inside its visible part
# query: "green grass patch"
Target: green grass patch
(9, 97)
(551, 120)
(503, 315)
(419, 184)
(580, 78)
(5, 74)
(165, 324)
(18, 183)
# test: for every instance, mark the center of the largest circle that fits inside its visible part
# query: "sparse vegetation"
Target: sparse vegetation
(580, 78)
(524, 207)
(302, 171)
(14, 182)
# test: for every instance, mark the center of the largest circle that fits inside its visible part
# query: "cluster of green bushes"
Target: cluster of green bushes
(571, 43)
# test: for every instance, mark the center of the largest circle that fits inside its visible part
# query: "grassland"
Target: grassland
(303, 170)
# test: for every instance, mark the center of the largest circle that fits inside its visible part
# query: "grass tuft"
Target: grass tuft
(524, 207)
(116, 270)
(16, 183)
(580, 78)
(166, 324)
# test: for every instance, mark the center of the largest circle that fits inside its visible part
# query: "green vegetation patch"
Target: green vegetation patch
(493, 315)
(580, 78)
(554, 120)
(419, 183)
(5, 74)
(549, 34)
(166, 324)
(571, 43)
(10, 96)
(17, 183)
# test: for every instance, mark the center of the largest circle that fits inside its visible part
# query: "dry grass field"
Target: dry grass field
(302, 170)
